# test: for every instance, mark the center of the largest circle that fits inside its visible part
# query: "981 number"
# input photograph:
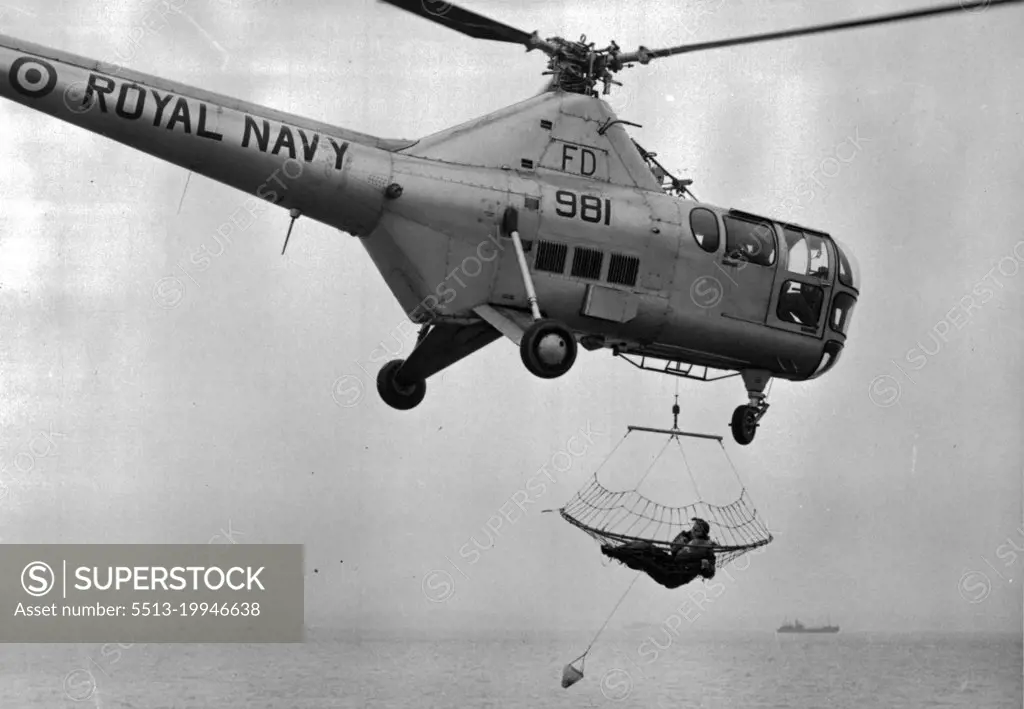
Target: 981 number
(587, 207)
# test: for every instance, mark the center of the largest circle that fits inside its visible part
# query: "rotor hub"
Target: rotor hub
(577, 67)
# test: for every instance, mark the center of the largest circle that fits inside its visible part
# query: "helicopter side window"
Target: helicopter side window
(800, 303)
(807, 253)
(842, 309)
(704, 225)
(753, 242)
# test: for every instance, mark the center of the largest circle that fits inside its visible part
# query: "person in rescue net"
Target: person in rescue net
(692, 545)
(689, 555)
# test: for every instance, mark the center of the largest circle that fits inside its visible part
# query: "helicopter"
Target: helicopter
(543, 222)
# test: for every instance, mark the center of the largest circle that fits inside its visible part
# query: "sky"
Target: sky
(892, 486)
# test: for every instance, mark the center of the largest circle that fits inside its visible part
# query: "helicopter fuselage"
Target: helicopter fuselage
(623, 264)
(667, 297)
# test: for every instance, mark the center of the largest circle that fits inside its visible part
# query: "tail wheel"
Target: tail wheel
(548, 349)
(396, 393)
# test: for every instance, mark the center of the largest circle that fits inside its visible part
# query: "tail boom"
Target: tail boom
(328, 174)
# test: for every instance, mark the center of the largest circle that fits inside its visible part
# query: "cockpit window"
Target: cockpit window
(807, 253)
(823, 365)
(849, 269)
(829, 356)
(845, 272)
(704, 225)
(842, 311)
(753, 242)
(800, 303)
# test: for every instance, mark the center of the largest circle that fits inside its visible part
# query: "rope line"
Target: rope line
(606, 620)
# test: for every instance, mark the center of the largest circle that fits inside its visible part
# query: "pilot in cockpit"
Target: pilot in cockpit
(819, 260)
(800, 304)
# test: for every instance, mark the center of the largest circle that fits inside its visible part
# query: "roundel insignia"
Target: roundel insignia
(32, 77)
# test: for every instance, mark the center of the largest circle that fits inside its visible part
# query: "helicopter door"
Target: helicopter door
(804, 287)
(748, 266)
(524, 196)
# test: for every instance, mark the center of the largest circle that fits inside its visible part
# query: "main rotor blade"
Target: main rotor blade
(464, 21)
(644, 54)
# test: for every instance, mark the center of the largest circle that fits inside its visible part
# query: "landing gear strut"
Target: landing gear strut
(548, 348)
(402, 383)
(745, 418)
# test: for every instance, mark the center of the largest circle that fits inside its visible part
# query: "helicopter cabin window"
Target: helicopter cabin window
(800, 303)
(807, 253)
(586, 263)
(845, 272)
(550, 257)
(623, 269)
(825, 363)
(749, 241)
(704, 225)
(829, 356)
(842, 308)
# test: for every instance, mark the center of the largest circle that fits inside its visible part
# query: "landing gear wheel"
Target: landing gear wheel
(744, 424)
(399, 395)
(548, 349)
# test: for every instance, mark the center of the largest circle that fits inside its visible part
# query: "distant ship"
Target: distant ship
(797, 627)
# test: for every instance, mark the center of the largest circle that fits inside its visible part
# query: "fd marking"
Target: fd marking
(587, 160)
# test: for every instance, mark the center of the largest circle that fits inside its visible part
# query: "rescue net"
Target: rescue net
(639, 532)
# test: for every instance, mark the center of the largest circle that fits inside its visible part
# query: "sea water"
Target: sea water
(522, 669)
